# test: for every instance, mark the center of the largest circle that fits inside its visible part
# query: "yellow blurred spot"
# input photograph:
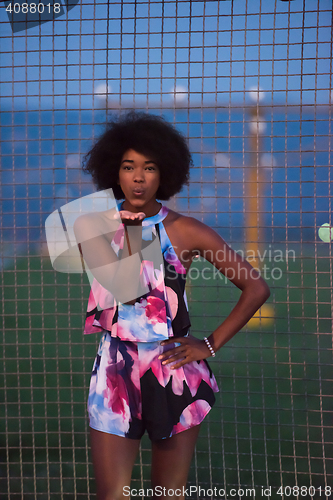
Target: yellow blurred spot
(263, 317)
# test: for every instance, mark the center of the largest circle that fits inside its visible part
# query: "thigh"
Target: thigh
(171, 460)
(113, 459)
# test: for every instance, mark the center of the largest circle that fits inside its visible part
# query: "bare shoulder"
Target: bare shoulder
(84, 221)
(178, 220)
(187, 223)
(94, 224)
(196, 233)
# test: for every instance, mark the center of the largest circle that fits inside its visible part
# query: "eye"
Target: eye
(151, 167)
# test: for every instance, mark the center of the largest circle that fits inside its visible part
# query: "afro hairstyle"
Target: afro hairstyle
(149, 135)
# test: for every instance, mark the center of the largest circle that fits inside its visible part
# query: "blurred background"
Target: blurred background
(249, 82)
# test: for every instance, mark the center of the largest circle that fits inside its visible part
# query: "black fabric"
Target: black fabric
(162, 408)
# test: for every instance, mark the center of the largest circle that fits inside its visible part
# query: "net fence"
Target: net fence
(249, 82)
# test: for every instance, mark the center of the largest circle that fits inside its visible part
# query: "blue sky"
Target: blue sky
(208, 50)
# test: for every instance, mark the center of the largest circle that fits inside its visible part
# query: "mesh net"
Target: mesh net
(250, 84)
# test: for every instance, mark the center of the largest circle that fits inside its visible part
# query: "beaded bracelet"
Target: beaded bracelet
(213, 353)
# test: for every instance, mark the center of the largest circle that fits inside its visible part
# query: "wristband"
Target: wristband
(213, 353)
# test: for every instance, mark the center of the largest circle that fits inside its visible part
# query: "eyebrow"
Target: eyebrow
(132, 161)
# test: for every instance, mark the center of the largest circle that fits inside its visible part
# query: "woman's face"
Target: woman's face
(139, 179)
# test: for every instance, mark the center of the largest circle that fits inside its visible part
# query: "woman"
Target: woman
(142, 379)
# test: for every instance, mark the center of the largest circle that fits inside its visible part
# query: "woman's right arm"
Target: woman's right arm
(121, 277)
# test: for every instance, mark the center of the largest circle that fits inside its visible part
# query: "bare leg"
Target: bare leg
(113, 459)
(171, 460)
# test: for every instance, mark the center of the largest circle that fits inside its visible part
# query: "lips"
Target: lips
(138, 191)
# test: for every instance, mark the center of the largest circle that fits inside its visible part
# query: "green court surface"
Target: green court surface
(271, 425)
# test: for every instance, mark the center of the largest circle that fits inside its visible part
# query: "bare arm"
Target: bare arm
(255, 292)
(120, 276)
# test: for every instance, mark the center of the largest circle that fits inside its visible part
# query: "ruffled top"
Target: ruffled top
(159, 314)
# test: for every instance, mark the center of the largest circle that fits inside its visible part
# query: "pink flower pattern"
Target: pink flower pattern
(162, 303)
(155, 310)
(127, 359)
(118, 380)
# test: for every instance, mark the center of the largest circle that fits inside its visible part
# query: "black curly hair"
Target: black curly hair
(148, 135)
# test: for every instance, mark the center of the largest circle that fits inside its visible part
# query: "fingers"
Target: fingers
(190, 349)
(176, 354)
(126, 215)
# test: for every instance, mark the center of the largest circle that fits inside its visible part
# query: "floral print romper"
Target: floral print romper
(130, 390)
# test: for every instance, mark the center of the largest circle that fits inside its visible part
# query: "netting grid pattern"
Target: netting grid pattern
(250, 84)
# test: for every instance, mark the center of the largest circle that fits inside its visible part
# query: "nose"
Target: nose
(139, 174)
